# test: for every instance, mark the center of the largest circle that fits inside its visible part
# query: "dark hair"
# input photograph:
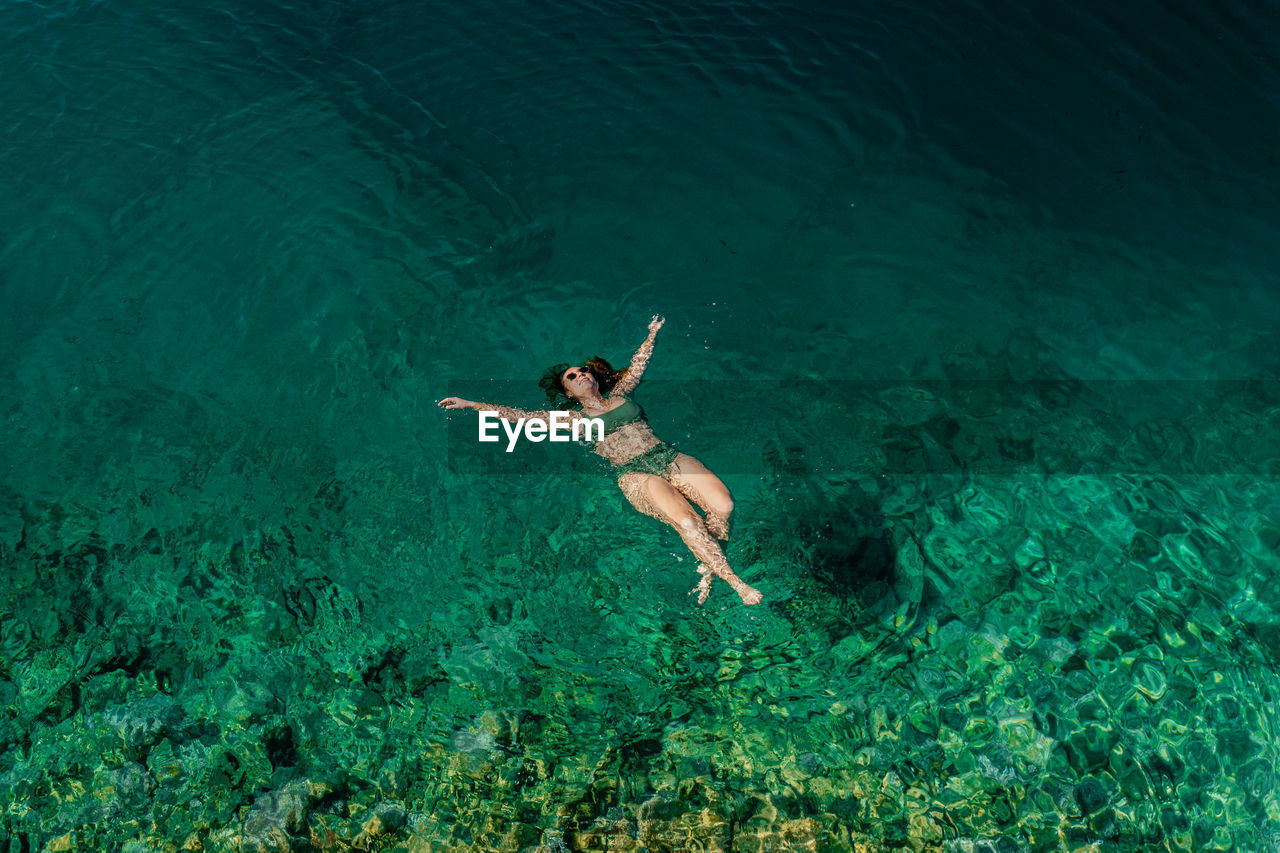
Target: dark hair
(604, 373)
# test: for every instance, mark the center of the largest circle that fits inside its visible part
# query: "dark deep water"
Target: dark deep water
(973, 308)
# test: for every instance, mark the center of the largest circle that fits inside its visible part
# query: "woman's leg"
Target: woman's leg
(656, 497)
(696, 482)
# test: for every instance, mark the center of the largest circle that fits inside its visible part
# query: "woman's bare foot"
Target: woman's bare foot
(748, 594)
(703, 589)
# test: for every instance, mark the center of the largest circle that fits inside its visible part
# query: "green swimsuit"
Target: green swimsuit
(656, 460)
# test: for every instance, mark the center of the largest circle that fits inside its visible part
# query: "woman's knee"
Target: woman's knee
(685, 521)
(720, 504)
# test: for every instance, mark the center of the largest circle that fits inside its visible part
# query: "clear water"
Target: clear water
(973, 308)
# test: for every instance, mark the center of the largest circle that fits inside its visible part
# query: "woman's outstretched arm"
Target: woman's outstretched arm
(631, 376)
(504, 412)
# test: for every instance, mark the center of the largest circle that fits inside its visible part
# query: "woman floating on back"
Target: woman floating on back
(656, 479)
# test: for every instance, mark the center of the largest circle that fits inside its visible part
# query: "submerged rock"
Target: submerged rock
(276, 818)
(129, 788)
(143, 723)
(385, 818)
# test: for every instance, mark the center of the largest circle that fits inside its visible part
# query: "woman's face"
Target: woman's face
(578, 381)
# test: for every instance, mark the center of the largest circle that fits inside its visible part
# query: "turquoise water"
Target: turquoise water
(972, 308)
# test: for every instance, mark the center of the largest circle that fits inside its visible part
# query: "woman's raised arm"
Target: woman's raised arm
(631, 376)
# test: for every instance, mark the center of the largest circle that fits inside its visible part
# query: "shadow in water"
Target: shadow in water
(834, 539)
(852, 556)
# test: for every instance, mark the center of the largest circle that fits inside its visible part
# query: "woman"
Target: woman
(656, 479)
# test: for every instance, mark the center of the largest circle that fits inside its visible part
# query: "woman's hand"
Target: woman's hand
(456, 403)
(655, 324)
